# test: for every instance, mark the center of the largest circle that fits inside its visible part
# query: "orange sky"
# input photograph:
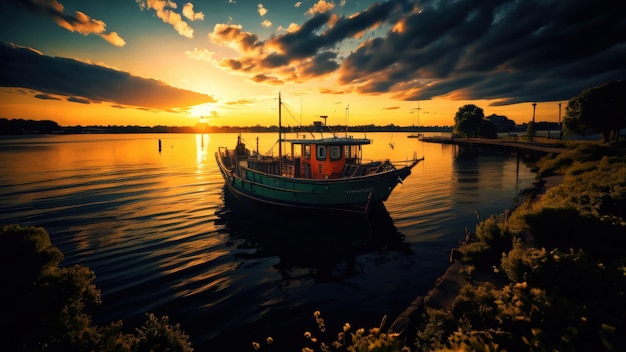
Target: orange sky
(156, 62)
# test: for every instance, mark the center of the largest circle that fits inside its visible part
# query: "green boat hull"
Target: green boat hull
(351, 194)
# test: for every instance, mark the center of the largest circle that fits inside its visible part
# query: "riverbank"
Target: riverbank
(447, 287)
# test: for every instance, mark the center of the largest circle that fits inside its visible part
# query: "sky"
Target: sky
(225, 62)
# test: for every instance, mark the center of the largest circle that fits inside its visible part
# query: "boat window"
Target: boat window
(307, 151)
(321, 152)
(335, 152)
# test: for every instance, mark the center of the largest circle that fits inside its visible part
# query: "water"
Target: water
(155, 229)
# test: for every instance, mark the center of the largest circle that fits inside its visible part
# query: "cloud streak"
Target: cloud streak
(78, 22)
(506, 51)
(87, 83)
(165, 11)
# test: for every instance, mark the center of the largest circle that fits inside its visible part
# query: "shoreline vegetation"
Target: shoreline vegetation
(548, 275)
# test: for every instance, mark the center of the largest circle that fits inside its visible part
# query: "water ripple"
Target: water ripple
(156, 232)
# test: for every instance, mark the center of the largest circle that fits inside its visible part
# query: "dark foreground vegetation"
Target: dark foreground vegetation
(43, 307)
(557, 270)
(558, 267)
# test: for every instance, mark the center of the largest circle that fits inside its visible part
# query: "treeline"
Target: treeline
(21, 126)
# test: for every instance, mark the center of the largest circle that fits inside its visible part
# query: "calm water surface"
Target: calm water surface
(160, 236)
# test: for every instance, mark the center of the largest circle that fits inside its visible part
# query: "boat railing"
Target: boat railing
(228, 158)
(374, 167)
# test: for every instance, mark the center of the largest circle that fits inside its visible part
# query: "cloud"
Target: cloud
(241, 102)
(190, 15)
(320, 7)
(266, 23)
(165, 11)
(304, 52)
(234, 37)
(509, 51)
(200, 55)
(261, 10)
(87, 83)
(78, 100)
(79, 22)
(114, 39)
(46, 97)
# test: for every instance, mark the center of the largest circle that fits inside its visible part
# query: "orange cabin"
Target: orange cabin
(326, 158)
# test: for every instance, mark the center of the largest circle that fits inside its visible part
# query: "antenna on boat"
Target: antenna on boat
(347, 117)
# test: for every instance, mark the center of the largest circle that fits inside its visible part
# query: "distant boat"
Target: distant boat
(319, 173)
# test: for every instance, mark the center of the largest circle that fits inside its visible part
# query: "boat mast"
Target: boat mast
(280, 136)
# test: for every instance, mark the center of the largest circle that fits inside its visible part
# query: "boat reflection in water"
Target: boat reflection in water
(317, 244)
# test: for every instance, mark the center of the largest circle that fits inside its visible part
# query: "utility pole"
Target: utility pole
(418, 114)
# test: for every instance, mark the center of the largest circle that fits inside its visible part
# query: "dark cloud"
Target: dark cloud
(510, 51)
(78, 100)
(516, 51)
(46, 97)
(304, 42)
(271, 80)
(322, 64)
(26, 68)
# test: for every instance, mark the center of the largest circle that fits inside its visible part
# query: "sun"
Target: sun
(203, 111)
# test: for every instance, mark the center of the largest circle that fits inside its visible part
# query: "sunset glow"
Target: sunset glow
(224, 62)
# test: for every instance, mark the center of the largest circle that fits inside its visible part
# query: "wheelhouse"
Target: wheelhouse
(326, 158)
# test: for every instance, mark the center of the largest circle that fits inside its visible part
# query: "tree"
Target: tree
(601, 108)
(470, 121)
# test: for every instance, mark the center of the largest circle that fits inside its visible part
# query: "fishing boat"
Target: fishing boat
(317, 173)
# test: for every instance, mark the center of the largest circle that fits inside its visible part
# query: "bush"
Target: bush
(42, 304)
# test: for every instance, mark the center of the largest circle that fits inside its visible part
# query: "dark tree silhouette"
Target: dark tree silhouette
(601, 108)
(470, 122)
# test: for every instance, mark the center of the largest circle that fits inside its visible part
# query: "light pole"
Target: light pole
(560, 128)
(532, 130)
